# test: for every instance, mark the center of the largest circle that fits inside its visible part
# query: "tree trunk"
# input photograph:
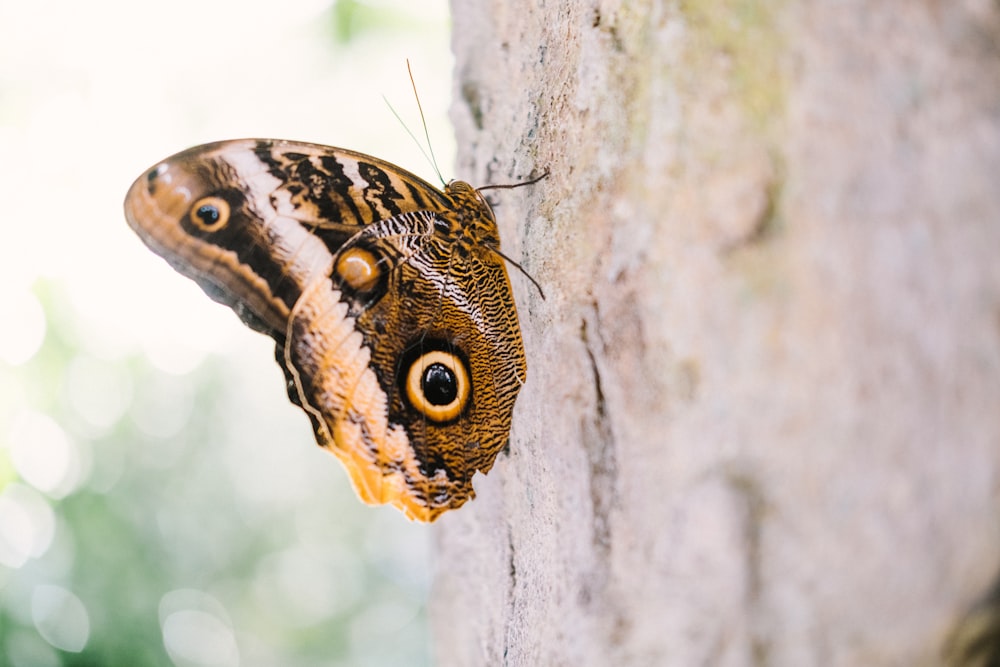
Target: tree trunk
(762, 418)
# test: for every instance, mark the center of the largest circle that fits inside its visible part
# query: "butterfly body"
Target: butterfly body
(387, 298)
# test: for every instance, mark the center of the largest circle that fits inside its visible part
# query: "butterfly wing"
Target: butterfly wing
(427, 347)
(259, 258)
(407, 369)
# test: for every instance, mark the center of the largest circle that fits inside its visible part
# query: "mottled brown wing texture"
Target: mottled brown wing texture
(387, 298)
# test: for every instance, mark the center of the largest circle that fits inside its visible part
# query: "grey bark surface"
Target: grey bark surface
(762, 419)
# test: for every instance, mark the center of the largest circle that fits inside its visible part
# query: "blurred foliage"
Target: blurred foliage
(178, 532)
(354, 19)
(182, 517)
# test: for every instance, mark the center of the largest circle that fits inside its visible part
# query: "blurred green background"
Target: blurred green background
(161, 502)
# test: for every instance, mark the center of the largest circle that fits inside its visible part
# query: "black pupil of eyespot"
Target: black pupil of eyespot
(208, 214)
(439, 385)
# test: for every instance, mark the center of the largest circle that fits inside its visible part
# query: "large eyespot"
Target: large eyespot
(358, 268)
(210, 214)
(438, 386)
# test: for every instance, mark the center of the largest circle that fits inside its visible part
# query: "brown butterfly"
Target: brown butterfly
(387, 298)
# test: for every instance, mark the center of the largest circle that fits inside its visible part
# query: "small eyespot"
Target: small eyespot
(210, 214)
(438, 386)
(156, 172)
(359, 269)
(157, 176)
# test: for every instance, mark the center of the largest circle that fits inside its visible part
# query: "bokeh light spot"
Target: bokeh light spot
(60, 618)
(196, 630)
(27, 525)
(44, 455)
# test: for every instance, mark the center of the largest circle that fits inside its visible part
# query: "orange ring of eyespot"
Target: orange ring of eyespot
(415, 390)
(358, 268)
(219, 204)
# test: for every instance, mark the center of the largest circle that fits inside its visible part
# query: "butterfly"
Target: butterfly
(387, 298)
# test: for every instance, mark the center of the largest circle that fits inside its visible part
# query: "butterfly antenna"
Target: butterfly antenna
(414, 137)
(511, 186)
(423, 121)
(520, 268)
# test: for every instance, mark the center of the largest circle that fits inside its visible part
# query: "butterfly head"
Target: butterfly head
(471, 221)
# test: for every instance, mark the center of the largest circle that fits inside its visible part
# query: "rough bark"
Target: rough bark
(762, 419)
